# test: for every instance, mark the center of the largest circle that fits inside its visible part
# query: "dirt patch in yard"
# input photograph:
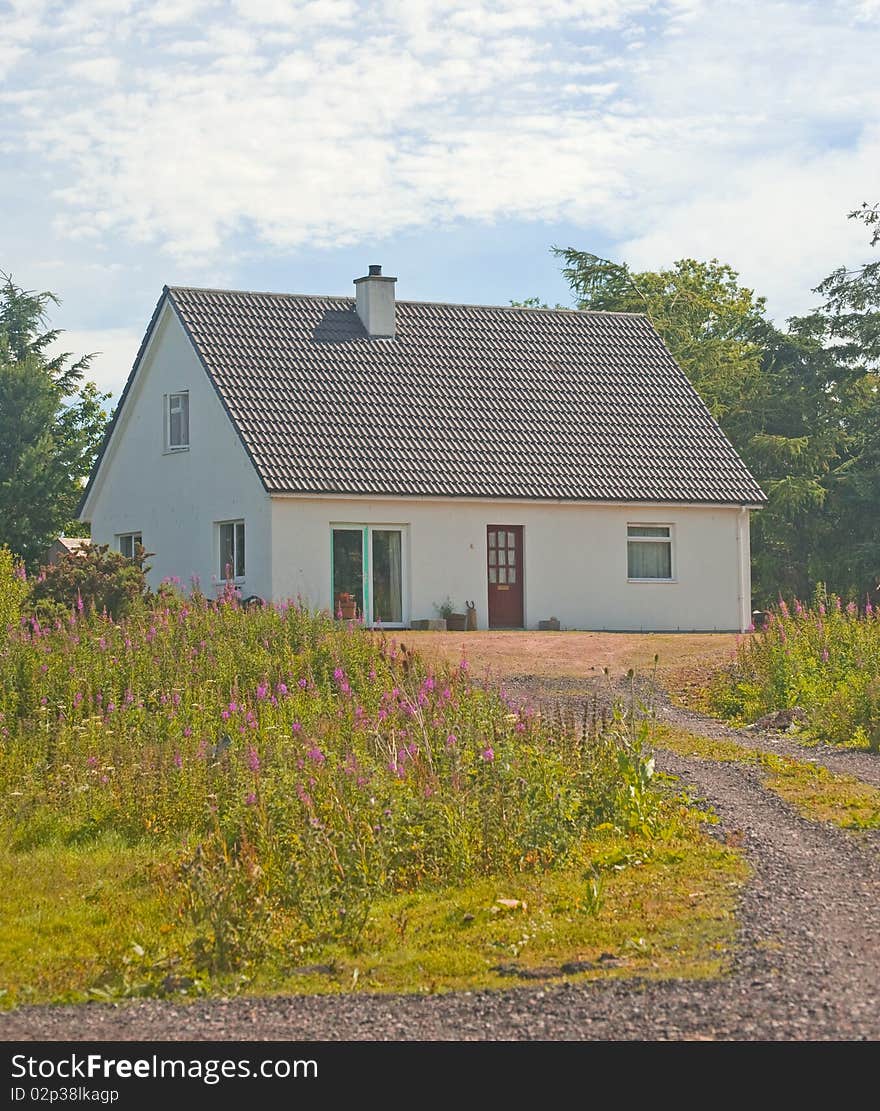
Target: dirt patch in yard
(576, 655)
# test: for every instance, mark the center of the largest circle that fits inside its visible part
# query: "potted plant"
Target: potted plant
(346, 606)
(456, 622)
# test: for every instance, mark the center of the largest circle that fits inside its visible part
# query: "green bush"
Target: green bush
(93, 578)
(13, 590)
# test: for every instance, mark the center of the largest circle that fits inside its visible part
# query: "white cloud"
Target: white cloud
(672, 126)
(103, 71)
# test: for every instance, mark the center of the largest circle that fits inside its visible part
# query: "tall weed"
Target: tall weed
(823, 658)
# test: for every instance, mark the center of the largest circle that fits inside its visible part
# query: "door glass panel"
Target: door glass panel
(492, 558)
(387, 577)
(348, 566)
(493, 575)
(491, 539)
(502, 574)
(511, 574)
(502, 539)
(511, 556)
(502, 558)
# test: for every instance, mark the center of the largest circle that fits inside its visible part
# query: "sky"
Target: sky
(288, 144)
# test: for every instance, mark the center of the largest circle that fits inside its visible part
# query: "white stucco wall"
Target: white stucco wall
(575, 565)
(174, 499)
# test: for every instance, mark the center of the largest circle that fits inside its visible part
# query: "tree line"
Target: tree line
(800, 404)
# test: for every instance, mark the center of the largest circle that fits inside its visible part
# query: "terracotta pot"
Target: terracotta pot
(348, 610)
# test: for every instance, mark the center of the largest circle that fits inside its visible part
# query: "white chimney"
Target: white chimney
(375, 303)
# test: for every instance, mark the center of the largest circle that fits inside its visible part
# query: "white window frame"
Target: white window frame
(218, 546)
(133, 537)
(169, 400)
(367, 549)
(670, 540)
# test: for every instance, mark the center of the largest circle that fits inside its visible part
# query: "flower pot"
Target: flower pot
(456, 622)
(348, 610)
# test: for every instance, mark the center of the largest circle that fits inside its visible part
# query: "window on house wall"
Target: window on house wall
(177, 421)
(230, 535)
(649, 552)
(128, 543)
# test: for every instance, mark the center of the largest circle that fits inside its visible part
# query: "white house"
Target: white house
(542, 462)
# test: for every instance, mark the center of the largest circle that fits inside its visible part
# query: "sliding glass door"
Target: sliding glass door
(348, 571)
(368, 564)
(387, 576)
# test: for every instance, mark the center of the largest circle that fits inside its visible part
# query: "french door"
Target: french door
(367, 565)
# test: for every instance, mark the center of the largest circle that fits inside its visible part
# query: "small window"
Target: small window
(231, 537)
(128, 543)
(649, 552)
(177, 422)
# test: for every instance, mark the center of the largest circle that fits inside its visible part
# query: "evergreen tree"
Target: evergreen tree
(51, 425)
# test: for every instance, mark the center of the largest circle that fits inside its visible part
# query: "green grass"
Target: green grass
(816, 792)
(67, 911)
(100, 922)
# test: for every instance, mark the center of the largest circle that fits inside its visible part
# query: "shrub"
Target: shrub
(13, 590)
(93, 578)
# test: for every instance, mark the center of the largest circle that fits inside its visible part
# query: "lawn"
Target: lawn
(576, 655)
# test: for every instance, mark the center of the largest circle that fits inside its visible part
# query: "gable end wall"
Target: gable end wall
(174, 499)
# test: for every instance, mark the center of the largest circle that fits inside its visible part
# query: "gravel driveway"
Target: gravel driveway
(807, 965)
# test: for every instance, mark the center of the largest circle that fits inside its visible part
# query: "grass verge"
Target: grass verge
(816, 792)
(96, 922)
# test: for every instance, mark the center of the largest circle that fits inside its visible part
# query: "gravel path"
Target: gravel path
(806, 966)
(863, 765)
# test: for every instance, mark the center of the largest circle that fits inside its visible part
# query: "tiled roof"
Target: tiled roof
(465, 401)
(74, 543)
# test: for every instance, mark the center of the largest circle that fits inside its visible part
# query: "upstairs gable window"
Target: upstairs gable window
(177, 421)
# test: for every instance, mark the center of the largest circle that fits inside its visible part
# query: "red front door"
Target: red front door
(504, 566)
